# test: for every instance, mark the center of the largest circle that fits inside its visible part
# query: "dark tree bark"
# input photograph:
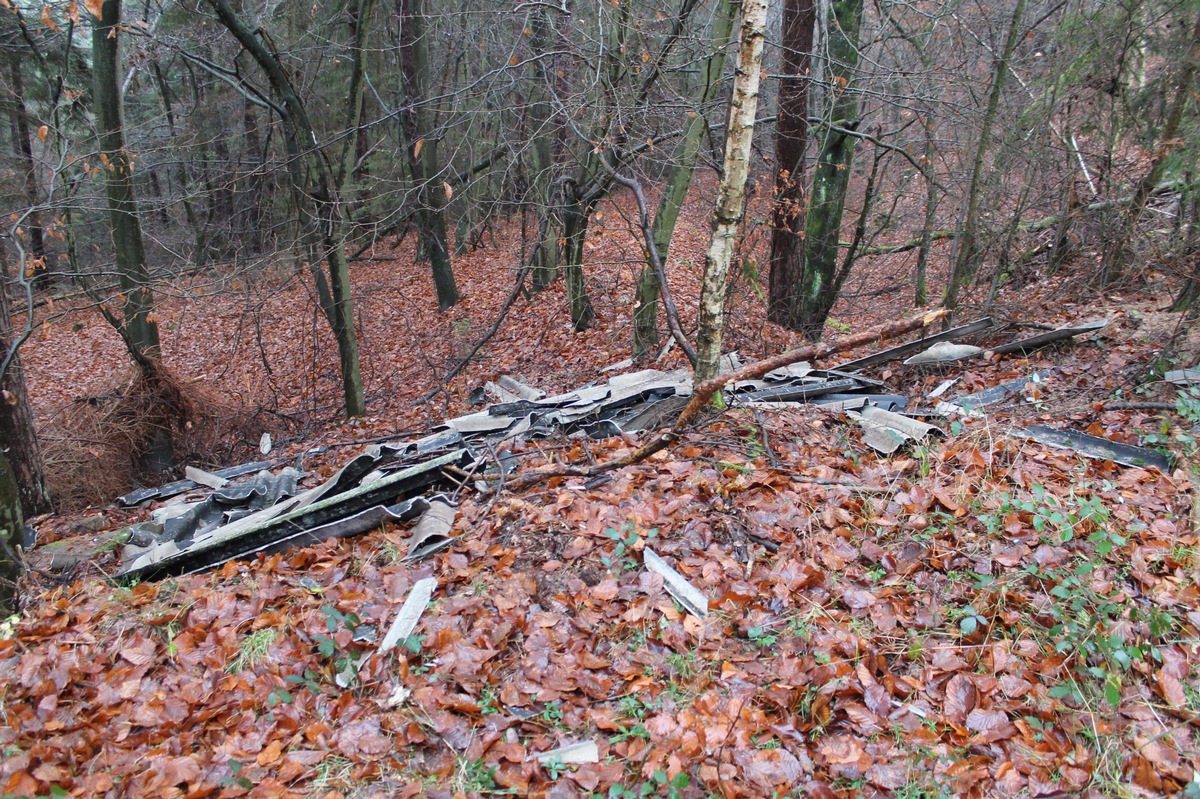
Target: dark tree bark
(37, 232)
(18, 434)
(312, 178)
(423, 149)
(541, 151)
(822, 279)
(12, 527)
(139, 330)
(791, 140)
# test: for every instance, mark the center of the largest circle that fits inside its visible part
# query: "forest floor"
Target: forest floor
(978, 616)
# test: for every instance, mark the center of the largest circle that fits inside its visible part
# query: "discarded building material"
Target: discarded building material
(344, 495)
(201, 477)
(800, 390)
(994, 394)
(410, 613)
(885, 432)
(180, 486)
(1182, 377)
(1099, 448)
(581, 752)
(432, 530)
(894, 353)
(943, 352)
(702, 395)
(943, 387)
(390, 482)
(1042, 339)
(509, 389)
(677, 586)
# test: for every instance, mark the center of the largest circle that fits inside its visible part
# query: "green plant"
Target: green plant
(754, 445)
(345, 662)
(687, 665)
(658, 785)
(970, 620)
(623, 557)
(635, 707)
(762, 636)
(488, 702)
(475, 776)
(554, 768)
(1092, 627)
(634, 731)
(922, 790)
(309, 679)
(334, 771)
(552, 713)
(1168, 437)
(252, 650)
(233, 780)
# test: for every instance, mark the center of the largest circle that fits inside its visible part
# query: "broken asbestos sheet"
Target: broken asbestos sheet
(885, 432)
(1042, 339)
(1099, 448)
(385, 482)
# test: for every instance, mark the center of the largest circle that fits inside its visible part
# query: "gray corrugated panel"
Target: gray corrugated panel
(902, 350)
(1096, 447)
(1049, 337)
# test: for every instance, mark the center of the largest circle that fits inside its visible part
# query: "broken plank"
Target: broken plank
(432, 530)
(911, 347)
(201, 477)
(410, 613)
(942, 353)
(1182, 377)
(677, 586)
(1099, 448)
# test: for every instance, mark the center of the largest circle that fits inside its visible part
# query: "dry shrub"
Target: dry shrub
(101, 446)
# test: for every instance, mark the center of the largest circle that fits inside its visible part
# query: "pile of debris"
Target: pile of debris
(264, 512)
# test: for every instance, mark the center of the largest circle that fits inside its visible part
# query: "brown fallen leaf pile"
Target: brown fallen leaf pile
(923, 623)
(982, 616)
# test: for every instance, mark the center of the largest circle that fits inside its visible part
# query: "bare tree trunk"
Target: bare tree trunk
(312, 177)
(791, 141)
(1188, 299)
(423, 148)
(37, 232)
(821, 279)
(18, 434)
(12, 527)
(920, 292)
(969, 254)
(679, 180)
(731, 194)
(139, 330)
(1120, 251)
(541, 149)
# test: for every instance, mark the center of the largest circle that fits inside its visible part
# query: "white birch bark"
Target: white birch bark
(731, 195)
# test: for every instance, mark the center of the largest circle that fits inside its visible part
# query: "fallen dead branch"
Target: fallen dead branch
(703, 394)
